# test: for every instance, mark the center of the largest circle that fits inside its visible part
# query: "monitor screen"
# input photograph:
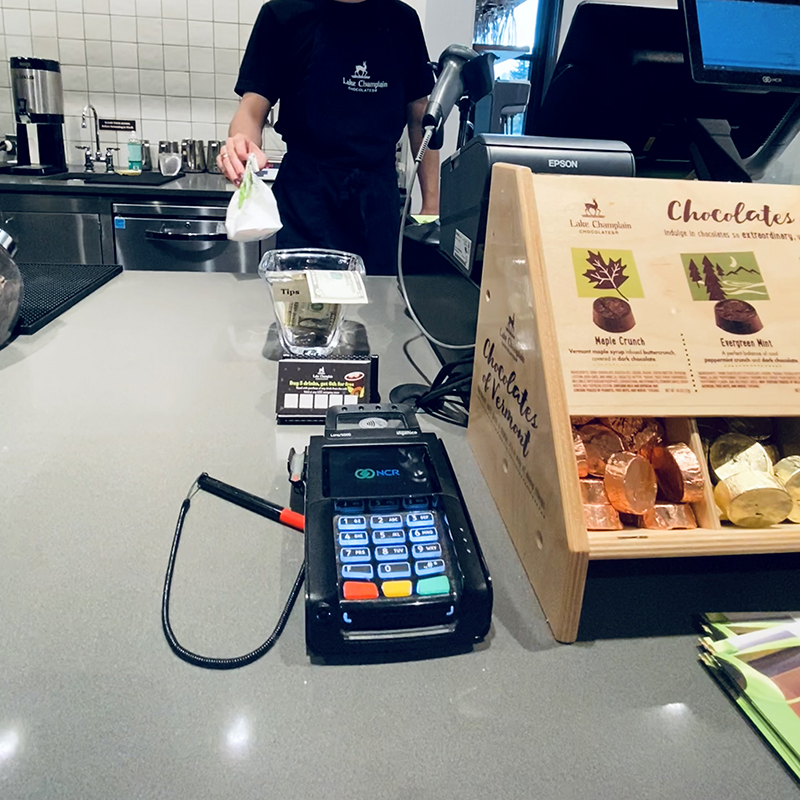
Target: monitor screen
(745, 43)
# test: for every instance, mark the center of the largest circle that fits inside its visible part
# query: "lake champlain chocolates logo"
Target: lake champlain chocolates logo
(361, 81)
(592, 221)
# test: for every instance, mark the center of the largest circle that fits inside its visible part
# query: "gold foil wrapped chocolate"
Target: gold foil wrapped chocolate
(593, 491)
(753, 499)
(787, 471)
(668, 516)
(580, 454)
(734, 452)
(630, 483)
(601, 517)
(600, 443)
(680, 475)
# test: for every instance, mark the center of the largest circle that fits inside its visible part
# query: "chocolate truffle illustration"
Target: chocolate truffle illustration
(612, 314)
(736, 316)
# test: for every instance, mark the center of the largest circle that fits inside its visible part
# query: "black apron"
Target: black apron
(337, 185)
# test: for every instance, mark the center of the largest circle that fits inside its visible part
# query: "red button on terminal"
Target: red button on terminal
(359, 590)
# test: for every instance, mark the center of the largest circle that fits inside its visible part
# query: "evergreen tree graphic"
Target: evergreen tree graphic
(694, 273)
(713, 288)
(719, 271)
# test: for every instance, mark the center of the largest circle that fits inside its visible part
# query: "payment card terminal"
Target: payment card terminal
(392, 560)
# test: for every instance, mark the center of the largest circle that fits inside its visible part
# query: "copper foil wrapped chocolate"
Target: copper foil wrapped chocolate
(580, 454)
(679, 473)
(630, 483)
(650, 437)
(578, 421)
(593, 491)
(600, 443)
(601, 517)
(753, 499)
(626, 427)
(668, 517)
(734, 452)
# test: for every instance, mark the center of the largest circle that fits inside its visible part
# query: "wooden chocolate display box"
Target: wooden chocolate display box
(532, 373)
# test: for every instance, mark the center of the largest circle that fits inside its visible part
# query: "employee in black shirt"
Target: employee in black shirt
(350, 74)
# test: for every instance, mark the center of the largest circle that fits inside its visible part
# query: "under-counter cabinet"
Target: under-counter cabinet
(57, 230)
(186, 238)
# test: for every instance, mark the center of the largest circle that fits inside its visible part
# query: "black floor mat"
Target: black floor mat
(50, 289)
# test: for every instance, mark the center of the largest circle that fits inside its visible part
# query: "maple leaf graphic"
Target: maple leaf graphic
(610, 275)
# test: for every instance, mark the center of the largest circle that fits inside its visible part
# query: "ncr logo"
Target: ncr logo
(368, 474)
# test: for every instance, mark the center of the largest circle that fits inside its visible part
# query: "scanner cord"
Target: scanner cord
(206, 661)
(400, 277)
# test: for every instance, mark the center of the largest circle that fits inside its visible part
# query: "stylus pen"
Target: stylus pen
(252, 503)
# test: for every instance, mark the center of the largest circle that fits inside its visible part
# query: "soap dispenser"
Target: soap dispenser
(134, 153)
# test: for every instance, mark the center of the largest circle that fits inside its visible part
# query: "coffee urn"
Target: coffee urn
(39, 109)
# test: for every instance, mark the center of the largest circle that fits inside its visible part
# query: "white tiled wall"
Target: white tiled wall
(169, 64)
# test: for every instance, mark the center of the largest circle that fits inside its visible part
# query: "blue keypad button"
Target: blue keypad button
(433, 567)
(401, 569)
(415, 503)
(352, 538)
(423, 535)
(357, 572)
(386, 522)
(355, 555)
(384, 504)
(420, 520)
(349, 506)
(396, 553)
(427, 550)
(388, 537)
(351, 523)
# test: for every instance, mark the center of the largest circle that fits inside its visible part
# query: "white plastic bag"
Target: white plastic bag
(252, 211)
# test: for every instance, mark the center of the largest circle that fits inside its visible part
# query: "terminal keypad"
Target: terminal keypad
(391, 548)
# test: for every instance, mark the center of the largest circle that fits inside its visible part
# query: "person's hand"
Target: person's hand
(234, 154)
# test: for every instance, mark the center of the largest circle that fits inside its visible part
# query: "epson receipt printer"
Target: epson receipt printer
(466, 178)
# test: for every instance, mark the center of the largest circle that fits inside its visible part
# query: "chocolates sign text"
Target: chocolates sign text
(741, 214)
(509, 398)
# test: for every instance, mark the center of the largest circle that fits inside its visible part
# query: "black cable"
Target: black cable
(205, 661)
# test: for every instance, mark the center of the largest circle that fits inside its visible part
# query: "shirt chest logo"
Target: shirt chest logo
(361, 81)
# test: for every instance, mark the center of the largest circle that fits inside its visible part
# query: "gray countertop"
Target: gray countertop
(197, 184)
(108, 415)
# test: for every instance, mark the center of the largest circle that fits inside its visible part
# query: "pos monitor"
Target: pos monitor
(709, 89)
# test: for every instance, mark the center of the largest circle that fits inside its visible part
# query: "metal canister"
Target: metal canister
(213, 151)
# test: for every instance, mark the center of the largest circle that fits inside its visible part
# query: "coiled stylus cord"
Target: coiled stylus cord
(259, 506)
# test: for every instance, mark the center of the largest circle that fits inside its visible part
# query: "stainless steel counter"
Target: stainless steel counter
(197, 185)
(108, 415)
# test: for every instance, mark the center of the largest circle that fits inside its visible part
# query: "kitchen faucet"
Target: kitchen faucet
(98, 155)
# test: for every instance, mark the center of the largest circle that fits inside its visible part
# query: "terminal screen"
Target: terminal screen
(742, 35)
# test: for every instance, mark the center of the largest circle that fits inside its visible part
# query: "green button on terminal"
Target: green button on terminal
(438, 585)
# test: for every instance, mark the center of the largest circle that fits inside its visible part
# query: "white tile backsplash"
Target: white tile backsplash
(70, 25)
(201, 34)
(150, 30)
(169, 64)
(44, 23)
(176, 57)
(17, 21)
(97, 27)
(72, 51)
